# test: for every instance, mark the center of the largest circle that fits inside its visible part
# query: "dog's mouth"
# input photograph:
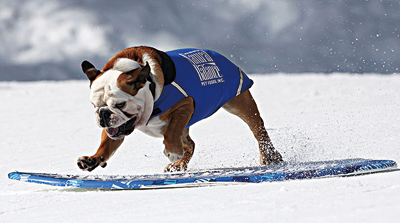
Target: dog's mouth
(122, 130)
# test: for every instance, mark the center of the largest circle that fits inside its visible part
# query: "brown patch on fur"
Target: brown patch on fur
(133, 81)
(128, 84)
(136, 54)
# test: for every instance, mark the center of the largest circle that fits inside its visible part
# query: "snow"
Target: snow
(46, 126)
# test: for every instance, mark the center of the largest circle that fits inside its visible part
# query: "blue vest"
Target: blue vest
(206, 76)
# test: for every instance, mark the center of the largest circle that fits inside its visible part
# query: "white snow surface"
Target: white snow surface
(46, 126)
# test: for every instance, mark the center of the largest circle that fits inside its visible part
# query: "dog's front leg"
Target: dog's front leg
(177, 149)
(106, 149)
(188, 150)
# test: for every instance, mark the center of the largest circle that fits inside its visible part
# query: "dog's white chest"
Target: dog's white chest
(155, 127)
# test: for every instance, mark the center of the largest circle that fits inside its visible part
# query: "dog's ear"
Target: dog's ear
(90, 71)
(144, 74)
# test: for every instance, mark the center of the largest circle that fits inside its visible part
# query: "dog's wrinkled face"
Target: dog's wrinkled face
(122, 98)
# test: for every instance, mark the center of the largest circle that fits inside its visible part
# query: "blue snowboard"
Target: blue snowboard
(288, 171)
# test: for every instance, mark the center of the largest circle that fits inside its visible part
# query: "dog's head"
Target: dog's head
(121, 96)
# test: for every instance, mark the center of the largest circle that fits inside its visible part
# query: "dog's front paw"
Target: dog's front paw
(175, 167)
(87, 163)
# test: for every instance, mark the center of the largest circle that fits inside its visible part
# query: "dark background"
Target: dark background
(47, 40)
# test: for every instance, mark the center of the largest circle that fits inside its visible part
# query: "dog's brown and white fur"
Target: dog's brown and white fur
(123, 95)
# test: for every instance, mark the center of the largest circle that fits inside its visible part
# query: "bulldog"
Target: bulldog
(162, 94)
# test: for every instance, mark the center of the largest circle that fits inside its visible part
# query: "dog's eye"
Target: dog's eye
(120, 105)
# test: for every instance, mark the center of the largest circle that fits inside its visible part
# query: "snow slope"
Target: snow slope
(45, 126)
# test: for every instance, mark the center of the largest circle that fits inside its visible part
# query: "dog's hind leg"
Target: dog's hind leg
(245, 108)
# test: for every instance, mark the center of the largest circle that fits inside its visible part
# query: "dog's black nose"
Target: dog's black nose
(104, 114)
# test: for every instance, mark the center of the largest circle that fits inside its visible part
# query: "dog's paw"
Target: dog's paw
(176, 167)
(173, 157)
(270, 156)
(87, 163)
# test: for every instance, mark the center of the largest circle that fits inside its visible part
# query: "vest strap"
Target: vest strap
(176, 85)
(239, 90)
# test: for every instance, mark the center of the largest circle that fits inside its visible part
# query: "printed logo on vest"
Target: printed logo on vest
(205, 67)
